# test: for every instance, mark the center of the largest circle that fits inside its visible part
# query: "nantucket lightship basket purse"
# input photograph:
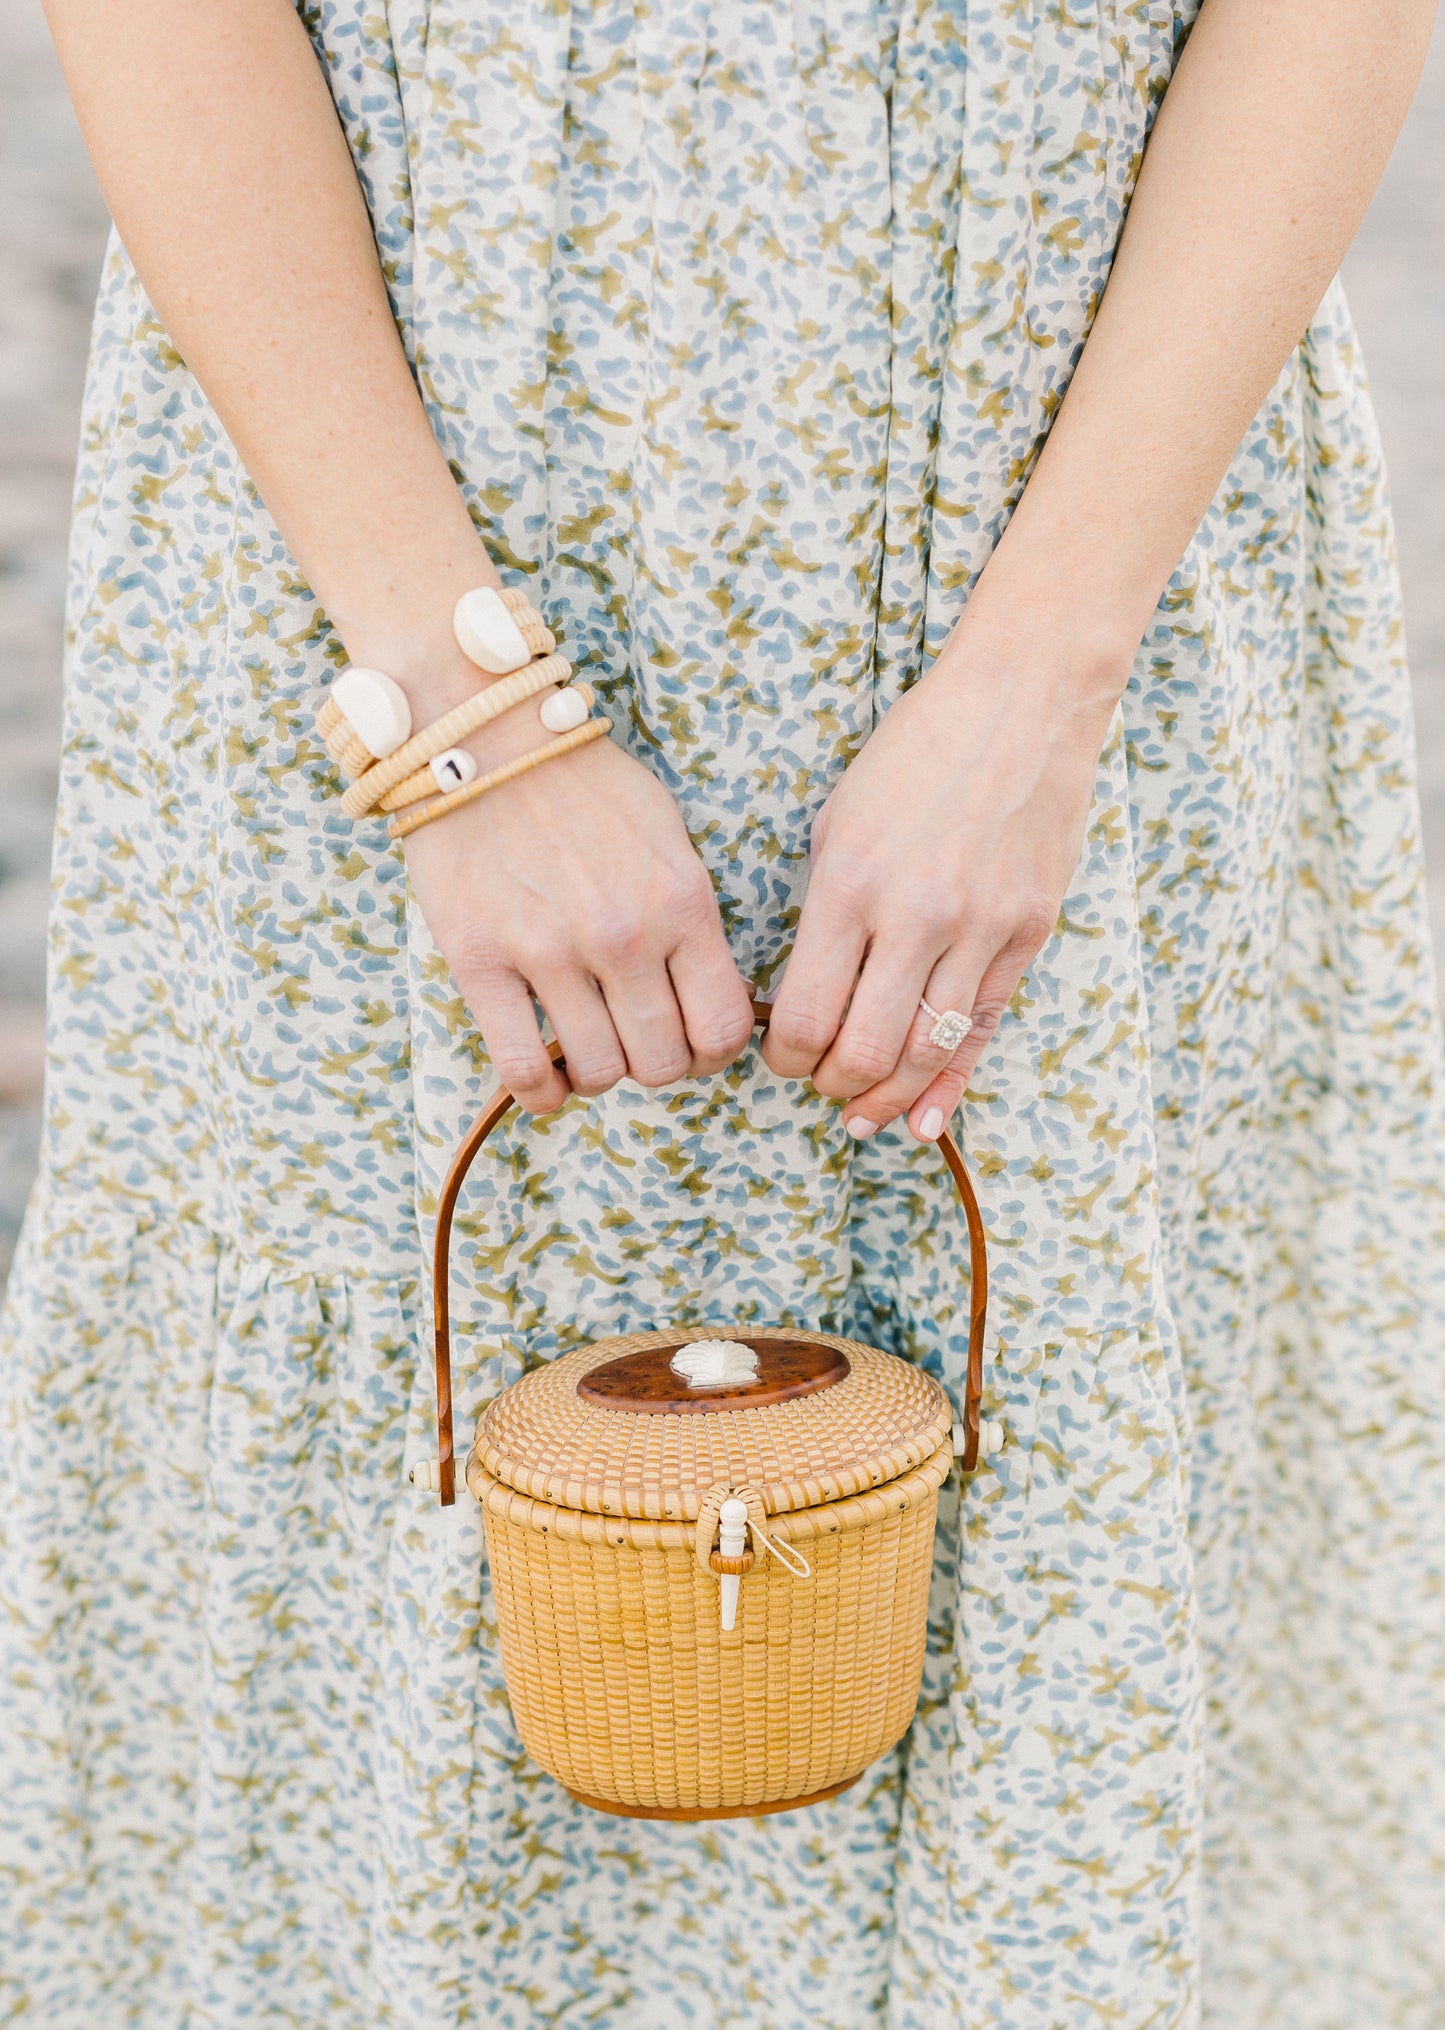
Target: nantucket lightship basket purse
(710, 1551)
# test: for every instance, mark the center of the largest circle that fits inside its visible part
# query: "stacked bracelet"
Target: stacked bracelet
(366, 722)
(474, 712)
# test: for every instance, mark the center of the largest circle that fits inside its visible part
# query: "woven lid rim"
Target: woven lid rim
(816, 1425)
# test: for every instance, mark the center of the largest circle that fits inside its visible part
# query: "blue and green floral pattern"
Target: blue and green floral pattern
(741, 321)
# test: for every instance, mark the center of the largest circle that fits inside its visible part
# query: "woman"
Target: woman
(949, 658)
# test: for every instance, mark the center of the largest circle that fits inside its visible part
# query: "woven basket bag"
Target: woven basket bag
(710, 1553)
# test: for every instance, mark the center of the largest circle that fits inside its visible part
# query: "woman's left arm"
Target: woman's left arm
(941, 860)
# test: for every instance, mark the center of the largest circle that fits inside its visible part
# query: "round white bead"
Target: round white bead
(375, 709)
(487, 634)
(453, 768)
(426, 1474)
(562, 711)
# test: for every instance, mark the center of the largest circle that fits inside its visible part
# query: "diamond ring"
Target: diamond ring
(949, 1027)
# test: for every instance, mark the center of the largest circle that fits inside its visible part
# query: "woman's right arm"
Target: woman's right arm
(220, 155)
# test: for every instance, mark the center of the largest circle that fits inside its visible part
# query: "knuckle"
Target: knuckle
(690, 900)
(933, 918)
(717, 1039)
(476, 958)
(849, 881)
(809, 1031)
(919, 1055)
(988, 1012)
(522, 1070)
(595, 1075)
(1034, 925)
(547, 955)
(865, 1057)
(663, 1067)
(618, 934)
(994, 928)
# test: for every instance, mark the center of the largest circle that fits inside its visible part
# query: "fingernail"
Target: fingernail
(931, 1126)
(858, 1125)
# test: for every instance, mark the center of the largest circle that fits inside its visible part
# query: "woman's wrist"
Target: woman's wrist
(1020, 643)
(410, 637)
(402, 624)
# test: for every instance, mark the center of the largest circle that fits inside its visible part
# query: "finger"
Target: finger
(808, 1007)
(648, 1020)
(628, 966)
(951, 988)
(716, 1002)
(582, 1025)
(502, 1005)
(930, 1112)
(871, 1043)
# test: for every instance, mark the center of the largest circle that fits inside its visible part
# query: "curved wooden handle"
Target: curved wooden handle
(496, 1110)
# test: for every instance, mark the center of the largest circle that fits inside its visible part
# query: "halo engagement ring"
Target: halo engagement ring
(949, 1027)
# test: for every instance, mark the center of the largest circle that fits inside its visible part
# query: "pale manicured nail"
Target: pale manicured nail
(931, 1126)
(858, 1125)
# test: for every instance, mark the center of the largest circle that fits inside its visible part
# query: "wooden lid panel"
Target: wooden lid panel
(644, 1382)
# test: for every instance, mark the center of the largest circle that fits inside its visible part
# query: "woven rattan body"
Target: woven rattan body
(623, 1683)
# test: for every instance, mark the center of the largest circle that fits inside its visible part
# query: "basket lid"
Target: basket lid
(643, 1425)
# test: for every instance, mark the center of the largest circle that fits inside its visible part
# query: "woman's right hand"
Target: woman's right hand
(577, 885)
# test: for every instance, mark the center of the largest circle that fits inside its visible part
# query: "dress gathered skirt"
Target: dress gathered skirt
(741, 322)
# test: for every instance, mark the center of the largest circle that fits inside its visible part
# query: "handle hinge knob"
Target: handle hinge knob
(990, 1439)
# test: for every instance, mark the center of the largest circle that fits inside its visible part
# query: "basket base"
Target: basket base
(726, 1811)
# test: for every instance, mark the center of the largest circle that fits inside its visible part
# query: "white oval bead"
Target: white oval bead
(375, 708)
(487, 634)
(562, 711)
(426, 1474)
(453, 768)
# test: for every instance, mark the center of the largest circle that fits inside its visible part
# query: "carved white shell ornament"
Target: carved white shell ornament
(715, 1363)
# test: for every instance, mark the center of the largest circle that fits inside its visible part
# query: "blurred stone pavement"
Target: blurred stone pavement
(52, 232)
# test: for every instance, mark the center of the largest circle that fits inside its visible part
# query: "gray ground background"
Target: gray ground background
(52, 231)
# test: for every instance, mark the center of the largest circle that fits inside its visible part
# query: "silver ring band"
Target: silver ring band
(950, 1027)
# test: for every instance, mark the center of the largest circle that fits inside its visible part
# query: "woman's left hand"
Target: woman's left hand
(939, 865)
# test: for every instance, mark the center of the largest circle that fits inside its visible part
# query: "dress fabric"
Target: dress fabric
(741, 321)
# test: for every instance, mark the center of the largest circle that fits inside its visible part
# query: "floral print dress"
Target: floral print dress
(741, 322)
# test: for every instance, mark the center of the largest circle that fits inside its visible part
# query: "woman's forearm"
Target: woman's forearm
(1271, 139)
(219, 152)
(220, 155)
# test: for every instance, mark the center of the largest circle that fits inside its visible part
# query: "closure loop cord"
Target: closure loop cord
(705, 1536)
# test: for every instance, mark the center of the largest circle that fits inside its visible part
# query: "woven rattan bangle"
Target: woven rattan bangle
(479, 710)
(536, 634)
(365, 718)
(424, 784)
(438, 807)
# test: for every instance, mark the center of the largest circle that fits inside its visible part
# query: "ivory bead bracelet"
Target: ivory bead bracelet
(426, 813)
(453, 768)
